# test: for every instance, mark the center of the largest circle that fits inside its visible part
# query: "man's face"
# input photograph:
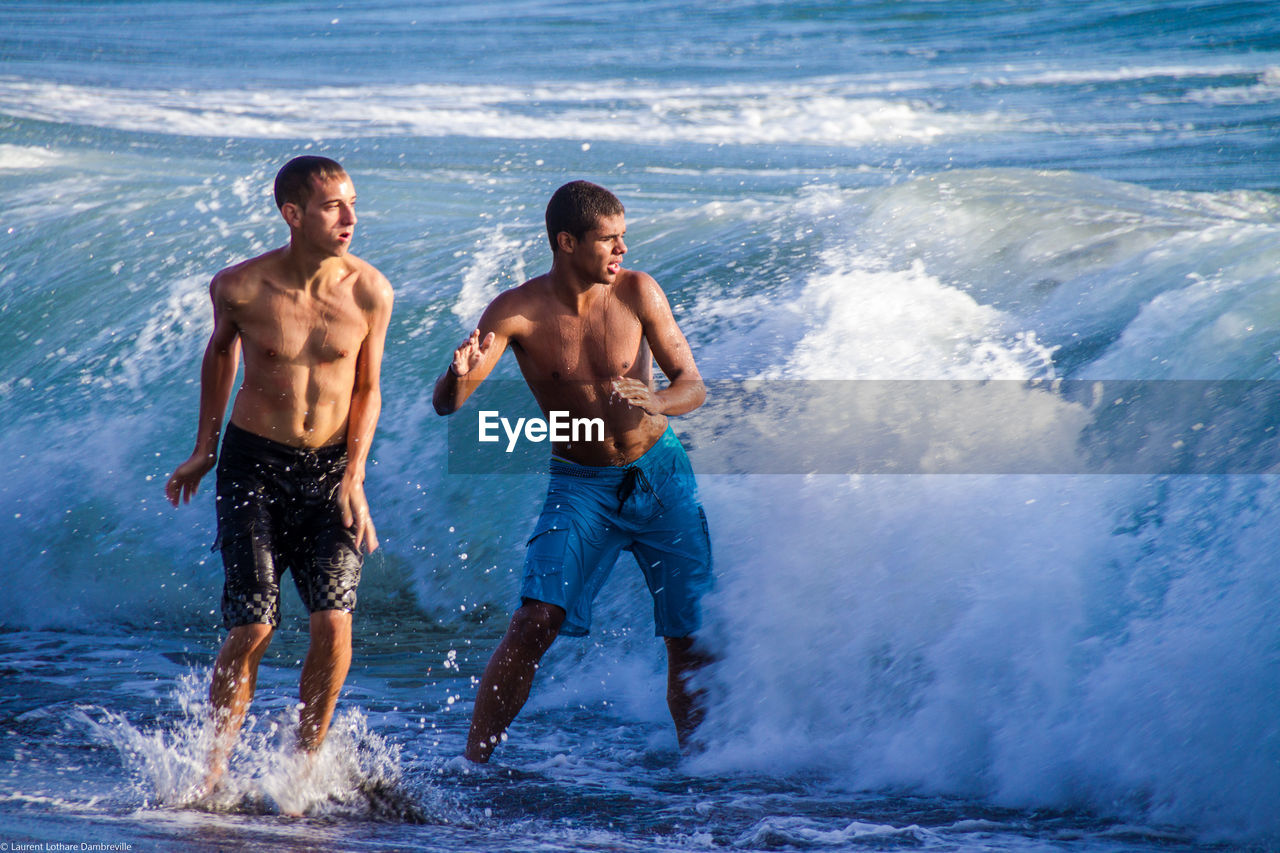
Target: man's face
(598, 255)
(328, 220)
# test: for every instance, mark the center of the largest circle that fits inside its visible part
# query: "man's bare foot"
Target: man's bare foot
(303, 772)
(205, 794)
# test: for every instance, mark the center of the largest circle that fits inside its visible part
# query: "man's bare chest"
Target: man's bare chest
(575, 349)
(309, 333)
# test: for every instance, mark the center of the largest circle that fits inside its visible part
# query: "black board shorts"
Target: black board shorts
(278, 511)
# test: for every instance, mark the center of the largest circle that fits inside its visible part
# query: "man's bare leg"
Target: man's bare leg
(504, 687)
(323, 674)
(235, 677)
(687, 708)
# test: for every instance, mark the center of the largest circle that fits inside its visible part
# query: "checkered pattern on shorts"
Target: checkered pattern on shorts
(330, 586)
(246, 609)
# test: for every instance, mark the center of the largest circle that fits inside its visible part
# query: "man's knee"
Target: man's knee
(679, 645)
(247, 640)
(684, 653)
(331, 628)
(536, 623)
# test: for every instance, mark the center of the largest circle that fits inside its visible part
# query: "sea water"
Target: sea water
(941, 620)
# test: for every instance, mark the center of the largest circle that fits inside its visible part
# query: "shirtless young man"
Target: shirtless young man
(586, 335)
(311, 320)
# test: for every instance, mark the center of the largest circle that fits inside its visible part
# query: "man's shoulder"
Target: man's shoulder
(511, 311)
(522, 298)
(538, 287)
(636, 281)
(251, 269)
(370, 285)
(247, 275)
(639, 290)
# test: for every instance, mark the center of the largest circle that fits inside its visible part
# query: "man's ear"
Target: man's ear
(292, 214)
(567, 242)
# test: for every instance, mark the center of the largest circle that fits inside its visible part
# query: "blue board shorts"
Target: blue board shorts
(650, 508)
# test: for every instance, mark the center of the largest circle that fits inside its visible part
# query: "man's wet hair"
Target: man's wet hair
(576, 208)
(293, 181)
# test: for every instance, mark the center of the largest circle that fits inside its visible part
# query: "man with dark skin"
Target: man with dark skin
(311, 320)
(586, 335)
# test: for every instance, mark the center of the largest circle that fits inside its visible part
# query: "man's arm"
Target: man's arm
(685, 390)
(362, 417)
(217, 375)
(475, 358)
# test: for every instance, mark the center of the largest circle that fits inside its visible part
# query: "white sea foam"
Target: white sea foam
(819, 112)
(166, 337)
(23, 157)
(1029, 75)
(861, 320)
(884, 323)
(1027, 639)
(498, 263)
(355, 773)
(783, 832)
(1265, 90)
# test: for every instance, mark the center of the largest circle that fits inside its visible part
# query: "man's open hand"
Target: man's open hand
(187, 476)
(471, 353)
(638, 394)
(355, 514)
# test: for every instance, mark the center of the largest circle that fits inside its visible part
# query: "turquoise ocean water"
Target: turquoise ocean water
(1011, 655)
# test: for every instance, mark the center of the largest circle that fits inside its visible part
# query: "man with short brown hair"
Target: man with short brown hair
(311, 320)
(586, 335)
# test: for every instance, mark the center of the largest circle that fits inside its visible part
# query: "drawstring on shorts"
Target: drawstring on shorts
(628, 485)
